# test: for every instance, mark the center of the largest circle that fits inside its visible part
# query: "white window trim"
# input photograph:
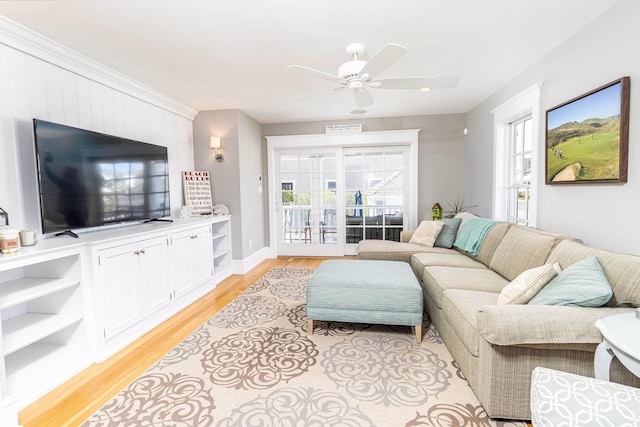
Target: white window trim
(364, 139)
(527, 102)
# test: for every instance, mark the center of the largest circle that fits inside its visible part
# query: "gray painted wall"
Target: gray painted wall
(234, 180)
(441, 151)
(601, 215)
(253, 202)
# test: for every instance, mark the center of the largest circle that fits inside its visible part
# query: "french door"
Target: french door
(329, 192)
(307, 197)
(328, 200)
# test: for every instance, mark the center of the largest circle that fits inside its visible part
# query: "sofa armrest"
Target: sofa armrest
(534, 325)
(405, 235)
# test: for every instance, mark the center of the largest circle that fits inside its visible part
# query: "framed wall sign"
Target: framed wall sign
(197, 192)
(587, 138)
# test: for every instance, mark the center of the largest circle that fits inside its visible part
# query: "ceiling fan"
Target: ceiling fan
(360, 75)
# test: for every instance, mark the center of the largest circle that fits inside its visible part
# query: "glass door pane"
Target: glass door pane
(308, 200)
(374, 194)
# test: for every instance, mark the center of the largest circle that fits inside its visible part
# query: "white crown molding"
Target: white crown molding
(31, 43)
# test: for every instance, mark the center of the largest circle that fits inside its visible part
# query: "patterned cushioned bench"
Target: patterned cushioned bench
(375, 292)
(563, 399)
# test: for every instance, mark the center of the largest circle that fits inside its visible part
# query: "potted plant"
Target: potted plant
(458, 207)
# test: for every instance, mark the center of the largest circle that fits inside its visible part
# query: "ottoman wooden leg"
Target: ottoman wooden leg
(310, 327)
(418, 334)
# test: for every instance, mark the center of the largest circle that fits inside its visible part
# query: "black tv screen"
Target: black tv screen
(89, 179)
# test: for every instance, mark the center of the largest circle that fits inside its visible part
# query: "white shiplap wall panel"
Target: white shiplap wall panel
(97, 115)
(8, 198)
(127, 109)
(118, 113)
(55, 99)
(34, 88)
(137, 119)
(21, 129)
(107, 111)
(70, 99)
(18, 65)
(37, 88)
(84, 103)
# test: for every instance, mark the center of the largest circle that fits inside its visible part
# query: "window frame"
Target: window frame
(525, 104)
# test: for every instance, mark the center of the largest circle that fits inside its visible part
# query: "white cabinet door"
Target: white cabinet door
(202, 266)
(153, 256)
(134, 282)
(119, 276)
(192, 259)
(181, 258)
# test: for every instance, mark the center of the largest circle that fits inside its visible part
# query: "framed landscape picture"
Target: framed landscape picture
(587, 138)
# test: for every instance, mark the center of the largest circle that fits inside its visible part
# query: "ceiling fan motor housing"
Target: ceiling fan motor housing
(351, 69)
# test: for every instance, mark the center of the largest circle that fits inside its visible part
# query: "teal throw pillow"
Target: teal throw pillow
(582, 284)
(447, 235)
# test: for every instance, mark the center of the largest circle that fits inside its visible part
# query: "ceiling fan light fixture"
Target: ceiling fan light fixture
(356, 84)
(358, 76)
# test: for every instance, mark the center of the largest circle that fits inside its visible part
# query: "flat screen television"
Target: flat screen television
(88, 179)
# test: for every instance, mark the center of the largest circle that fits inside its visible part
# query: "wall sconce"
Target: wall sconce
(214, 142)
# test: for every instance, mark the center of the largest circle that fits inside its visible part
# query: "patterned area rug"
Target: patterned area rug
(252, 364)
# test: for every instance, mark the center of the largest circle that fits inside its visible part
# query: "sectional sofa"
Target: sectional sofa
(497, 346)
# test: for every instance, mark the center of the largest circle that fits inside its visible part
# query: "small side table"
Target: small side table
(621, 334)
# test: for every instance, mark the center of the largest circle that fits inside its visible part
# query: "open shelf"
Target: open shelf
(28, 328)
(28, 365)
(28, 288)
(219, 236)
(218, 254)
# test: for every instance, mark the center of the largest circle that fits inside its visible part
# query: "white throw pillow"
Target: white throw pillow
(528, 284)
(427, 233)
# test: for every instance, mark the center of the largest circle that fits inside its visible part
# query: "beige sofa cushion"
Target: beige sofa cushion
(388, 250)
(491, 242)
(521, 249)
(437, 279)
(451, 259)
(622, 270)
(460, 308)
(549, 326)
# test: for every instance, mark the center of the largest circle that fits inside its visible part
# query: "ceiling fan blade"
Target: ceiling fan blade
(362, 97)
(405, 83)
(316, 73)
(383, 59)
(419, 83)
(445, 82)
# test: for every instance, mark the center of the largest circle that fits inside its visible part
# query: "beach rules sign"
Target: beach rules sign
(197, 192)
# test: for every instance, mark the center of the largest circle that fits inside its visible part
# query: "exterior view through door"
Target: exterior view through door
(329, 192)
(332, 200)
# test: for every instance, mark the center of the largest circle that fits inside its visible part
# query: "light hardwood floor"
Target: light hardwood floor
(74, 401)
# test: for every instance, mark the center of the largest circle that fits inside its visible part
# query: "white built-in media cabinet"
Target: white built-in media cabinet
(67, 303)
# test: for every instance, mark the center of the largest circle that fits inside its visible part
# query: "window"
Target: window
(516, 151)
(518, 180)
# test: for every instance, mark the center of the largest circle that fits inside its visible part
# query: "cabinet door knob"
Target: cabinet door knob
(137, 252)
(142, 251)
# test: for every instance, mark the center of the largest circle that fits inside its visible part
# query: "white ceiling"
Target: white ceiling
(232, 54)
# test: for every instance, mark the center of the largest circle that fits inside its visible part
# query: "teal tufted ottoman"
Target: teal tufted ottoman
(376, 292)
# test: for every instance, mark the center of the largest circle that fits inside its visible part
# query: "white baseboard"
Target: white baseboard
(245, 265)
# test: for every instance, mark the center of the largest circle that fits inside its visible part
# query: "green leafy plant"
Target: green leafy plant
(457, 207)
